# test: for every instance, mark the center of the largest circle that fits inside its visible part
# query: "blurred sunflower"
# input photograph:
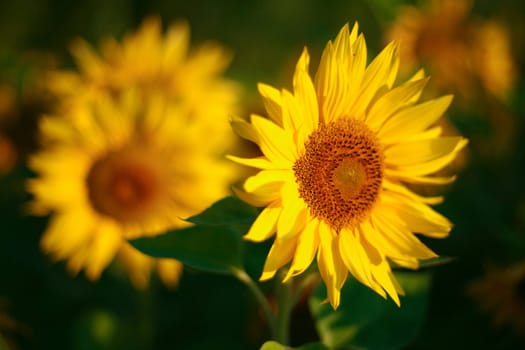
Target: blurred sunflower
(155, 63)
(461, 52)
(336, 154)
(501, 292)
(121, 169)
(131, 148)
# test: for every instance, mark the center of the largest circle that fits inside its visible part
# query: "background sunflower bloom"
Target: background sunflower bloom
(131, 149)
(337, 153)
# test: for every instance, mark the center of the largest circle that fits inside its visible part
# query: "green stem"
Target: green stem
(286, 299)
(285, 304)
(258, 294)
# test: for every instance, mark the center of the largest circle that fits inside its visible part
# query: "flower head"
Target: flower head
(123, 169)
(132, 149)
(460, 51)
(338, 152)
(501, 292)
(156, 64)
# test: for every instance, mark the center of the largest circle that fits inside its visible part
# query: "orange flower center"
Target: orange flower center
(124, 185)
(340, 173)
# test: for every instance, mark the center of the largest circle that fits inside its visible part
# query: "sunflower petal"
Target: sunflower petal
(356, 260)
(272, 102)
(392, 101)
(266, 223)
(275, 143)
(280, 253)
(418, 152)
(414, 119)
(106, 241)
(307, 244)
(377, 75)
(244, 129)
(259, 162)
(331, 267)
(138, 265)
(304, 92)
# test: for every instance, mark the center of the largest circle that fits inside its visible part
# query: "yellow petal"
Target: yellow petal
(383, 275)
(266, 178)
(395, 240)
(66, 232)
(57, 129)
(414, 215)
(256, 199)
(274, 142)
(418, 152)
(432, 180)
(304, 92)
(266, 223)
(293, 117)
(170, 271)
(106, 241)
(176, 43)
(259, 162)
(420, 74)
(292, 220)
(429, 166)
(356, 260)
(244, 129)
(138, 265)
(86, 58)
(331, 87)
(78, 260)
(281, 253)
(357, 69)
(331, 267)
(405, 191)
(414, 119)
(377, 75)
(272, 102)
(392, 101)
(307, 244)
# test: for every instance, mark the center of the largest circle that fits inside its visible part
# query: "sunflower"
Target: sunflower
(155, 63)
(122, 168)
(461, 51)
(501, 292)
(337, 155)
(131, 148)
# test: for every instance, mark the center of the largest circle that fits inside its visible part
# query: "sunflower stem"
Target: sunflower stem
(242, 276)
(285, 304)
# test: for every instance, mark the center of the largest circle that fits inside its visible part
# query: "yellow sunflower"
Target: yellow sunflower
(118, 169)
(461, 51)
(337, 153)
(156, 63)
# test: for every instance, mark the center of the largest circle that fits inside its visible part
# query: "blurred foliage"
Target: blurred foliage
(51, 310)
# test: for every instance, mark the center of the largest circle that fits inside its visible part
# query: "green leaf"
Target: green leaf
(213, 245)
(213, 249)
(313, 346)
(365, 320)
(273, 345)
(227, 211)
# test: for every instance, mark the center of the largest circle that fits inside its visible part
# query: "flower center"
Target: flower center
(340, 173)
(124, 185)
